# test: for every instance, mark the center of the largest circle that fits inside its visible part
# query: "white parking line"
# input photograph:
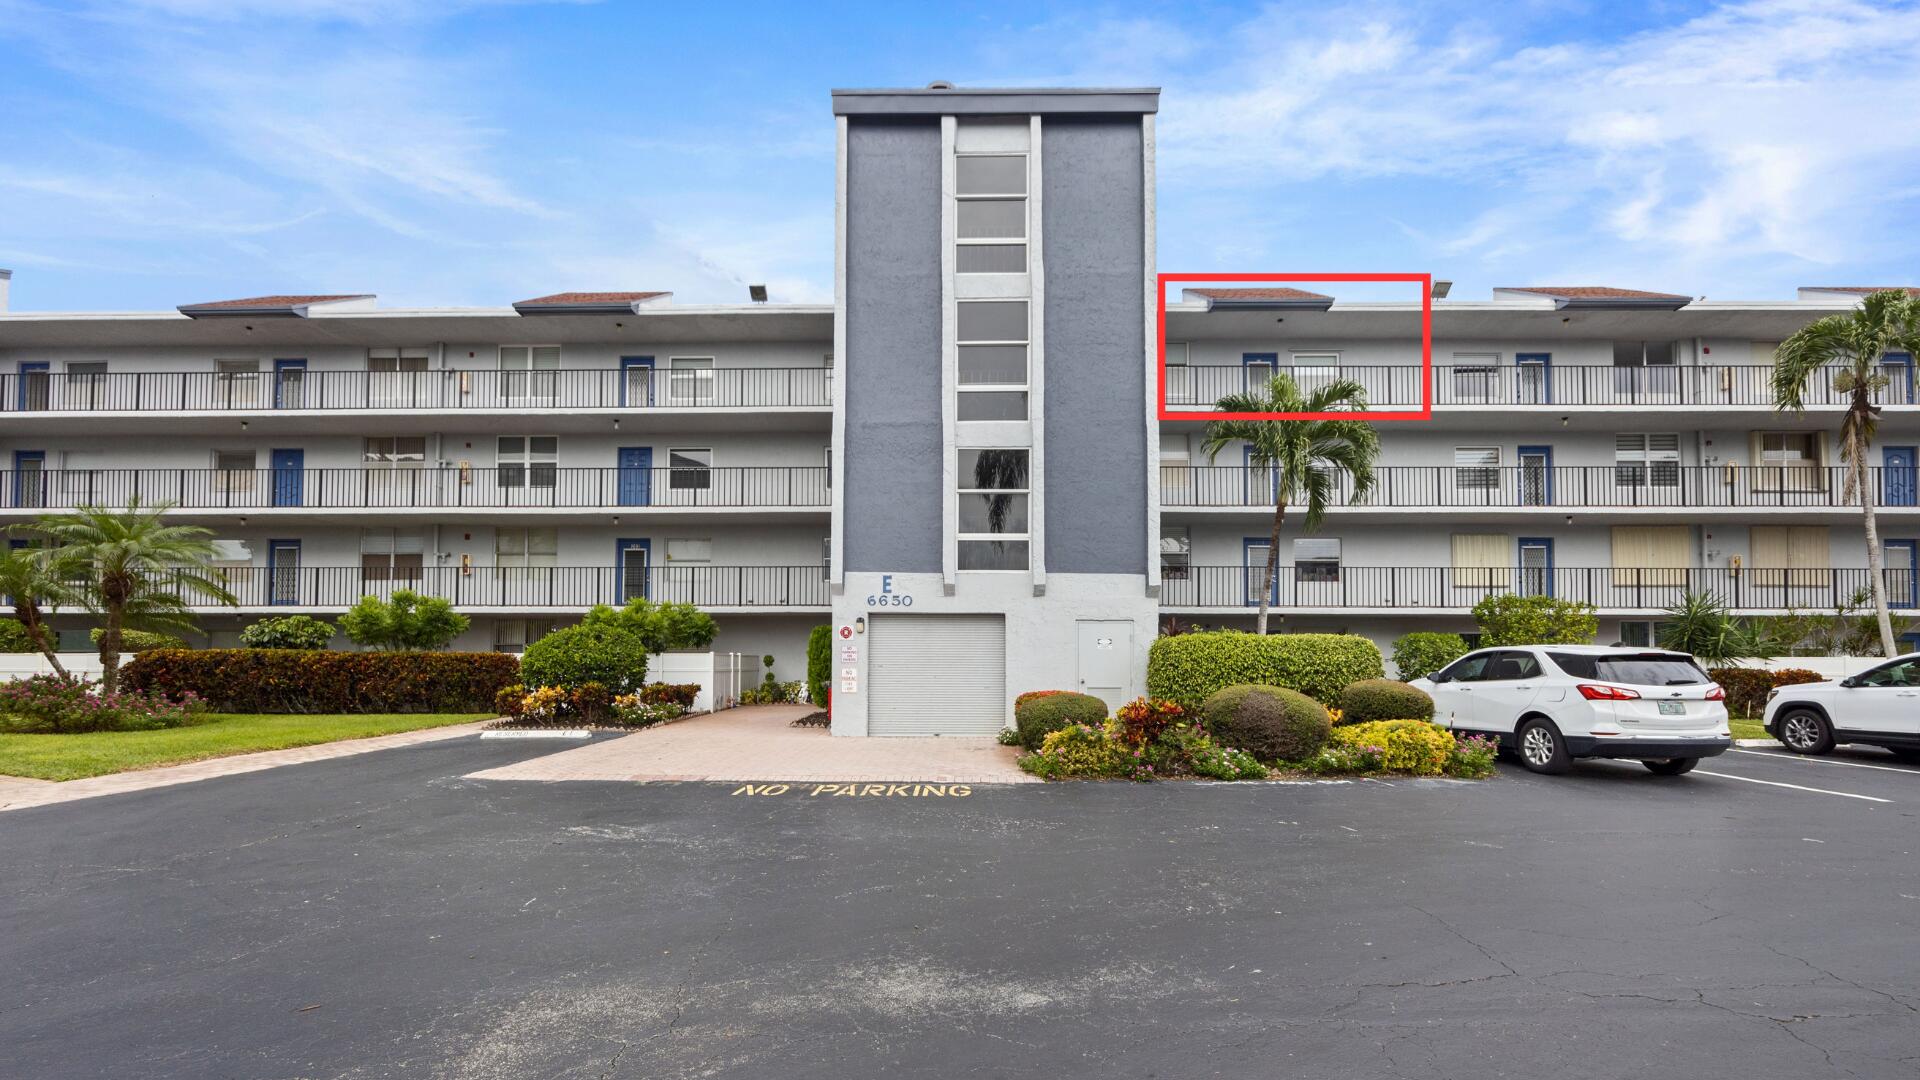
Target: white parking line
(1796, 787)
(1782, 756)
(1778, 756)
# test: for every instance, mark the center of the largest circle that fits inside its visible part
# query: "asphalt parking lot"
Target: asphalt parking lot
(382, 916)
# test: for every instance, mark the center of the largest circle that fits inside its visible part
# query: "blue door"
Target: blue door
(1536, 476)
(1536, 566)
(290, 384)
(283, 572)
(1900, 562)
(1533, 382)
(289, 472)
(633, 563)
(29, 478)
(636, 475)
(1898, 472)
(1898, 367)
(34, 387)
(636, 381)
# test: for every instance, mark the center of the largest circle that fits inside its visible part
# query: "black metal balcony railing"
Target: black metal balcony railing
(310, 390)
(1568, 487)
(1459, 588)
(1399, 386)
(533, 587)
(501, 486)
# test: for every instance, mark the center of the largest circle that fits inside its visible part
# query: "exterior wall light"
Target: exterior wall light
(860, 624)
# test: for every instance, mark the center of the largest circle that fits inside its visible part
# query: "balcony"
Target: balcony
(536, 486)
(1633, 486)
(564, 588)
(1483, 386)
(1387, 589)
(299, 390)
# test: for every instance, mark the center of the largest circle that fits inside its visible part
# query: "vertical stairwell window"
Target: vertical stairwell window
(992, 339)
(993, 509)
(990, 215)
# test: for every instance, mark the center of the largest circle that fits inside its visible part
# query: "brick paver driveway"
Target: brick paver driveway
(757, 742)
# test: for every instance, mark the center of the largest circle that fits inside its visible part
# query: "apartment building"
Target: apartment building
(959, 462)
(1610, 445)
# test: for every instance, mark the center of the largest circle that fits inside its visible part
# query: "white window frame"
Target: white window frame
(1645, 460)
(530, 474)
(667, 554)
(1306, 367)
(1483, 366)
(1308, 558)
(1024, 386)
(228, 481)
(1469, 477)
(1025, 536)
(685, 374)
(689, 477)
(1022, 241)
(528, 386)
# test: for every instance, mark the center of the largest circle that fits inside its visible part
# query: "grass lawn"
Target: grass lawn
(70, 757)
(1742, 729)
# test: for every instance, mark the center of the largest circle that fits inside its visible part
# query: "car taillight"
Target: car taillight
(1593, 692)
(1717, 694)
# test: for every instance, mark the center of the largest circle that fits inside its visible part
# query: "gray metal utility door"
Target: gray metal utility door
(936, 674)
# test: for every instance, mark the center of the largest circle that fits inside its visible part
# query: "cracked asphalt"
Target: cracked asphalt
(381, 916)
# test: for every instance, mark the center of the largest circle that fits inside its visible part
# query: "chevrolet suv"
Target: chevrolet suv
(1879, 707)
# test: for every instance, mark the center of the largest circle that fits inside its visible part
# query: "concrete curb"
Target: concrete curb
(1756, 742)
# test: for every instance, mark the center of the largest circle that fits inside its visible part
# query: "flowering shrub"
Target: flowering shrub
(544, 705)
(591, 703)
(634, 710)
(509, 700)
(1078, 750)
(1472, 757)
(1187, 748)
(773, 693)
(1142, 721)
(321, 682)
(49, 704)
(1410, 746)
(1343, 760)
(662, 693)
(1034, 695)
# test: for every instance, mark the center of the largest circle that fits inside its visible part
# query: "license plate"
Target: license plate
(1672, 708)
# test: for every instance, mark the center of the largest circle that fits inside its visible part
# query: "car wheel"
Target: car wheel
(1542, 749)
(1804, 731)
(1672, 766)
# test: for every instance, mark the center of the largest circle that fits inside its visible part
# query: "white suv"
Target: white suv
(1880, 706)
(1553, 703)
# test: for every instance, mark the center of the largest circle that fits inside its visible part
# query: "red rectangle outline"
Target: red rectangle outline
(1425, 281)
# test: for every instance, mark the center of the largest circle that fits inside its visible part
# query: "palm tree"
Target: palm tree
(1305, 457)
(134, 570)
(33, 588)
(1885, 321)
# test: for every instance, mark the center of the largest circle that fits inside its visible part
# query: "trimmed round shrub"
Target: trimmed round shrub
(1420, 654)
(1383, 699)
(1270, 722)
(1038, 715)
(1188, 668)
(597, 652)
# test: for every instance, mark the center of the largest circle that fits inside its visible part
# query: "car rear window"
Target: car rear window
(1635, 669)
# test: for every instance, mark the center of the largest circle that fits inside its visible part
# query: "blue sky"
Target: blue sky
(166, 151)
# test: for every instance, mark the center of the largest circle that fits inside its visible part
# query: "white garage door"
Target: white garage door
(936, 674)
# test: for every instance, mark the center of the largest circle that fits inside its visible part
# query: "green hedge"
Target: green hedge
(819, 664)
(318, 681)
(1039, 716)
(1189, 667)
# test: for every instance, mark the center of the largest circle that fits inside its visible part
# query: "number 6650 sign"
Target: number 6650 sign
(886, 597)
